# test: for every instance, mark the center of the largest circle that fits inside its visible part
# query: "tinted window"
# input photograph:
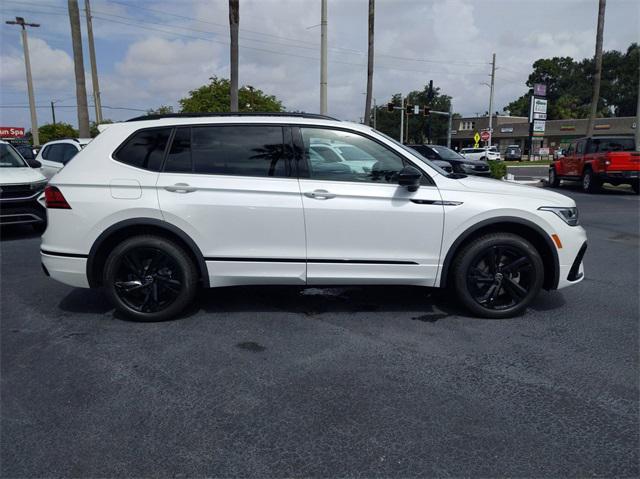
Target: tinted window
(614, 144)
(179, 157)
(580, 147)
(145, 149)
(375, 164)
(239, 151)
(66, 152)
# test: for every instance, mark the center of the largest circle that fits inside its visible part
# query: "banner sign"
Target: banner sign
(11, 132)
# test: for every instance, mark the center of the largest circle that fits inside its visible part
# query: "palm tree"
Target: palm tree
(234, 21)
(598, 73)
(78, 63)
(367, 107)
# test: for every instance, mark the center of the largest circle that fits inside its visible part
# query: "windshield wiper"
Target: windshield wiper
(456, 176)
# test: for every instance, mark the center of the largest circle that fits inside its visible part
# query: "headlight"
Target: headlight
(568, 215)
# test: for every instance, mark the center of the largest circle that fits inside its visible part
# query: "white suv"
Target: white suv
(54, 155)
(483, 154)
(152, 209)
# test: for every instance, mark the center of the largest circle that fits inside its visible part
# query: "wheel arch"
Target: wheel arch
(117, 232)
(522, 227)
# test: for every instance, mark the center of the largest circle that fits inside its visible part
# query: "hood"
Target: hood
(14, 176)
(497, 187)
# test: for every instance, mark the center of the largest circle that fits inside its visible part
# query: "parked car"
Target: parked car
(513, 153)
(20, 187)
(54, 155)
(152, 209)
(598, 160)
(483, 154)
(458, 163)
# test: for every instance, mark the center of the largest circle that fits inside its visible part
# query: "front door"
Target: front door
(232, 189)
(362, 227)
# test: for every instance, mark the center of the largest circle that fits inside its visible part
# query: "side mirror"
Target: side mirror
(33, 163)
(410, 177)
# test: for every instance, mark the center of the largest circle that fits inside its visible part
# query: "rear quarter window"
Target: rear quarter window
(144, 149)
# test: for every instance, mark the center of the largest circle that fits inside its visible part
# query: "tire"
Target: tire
(149, 278)
(554, 181)
(590, 184)
(635, 187)
(497, 275)
(484, 158)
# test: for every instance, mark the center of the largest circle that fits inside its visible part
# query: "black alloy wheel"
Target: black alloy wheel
(498, 275)
(149, 278)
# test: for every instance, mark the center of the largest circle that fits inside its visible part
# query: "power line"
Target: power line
(73, 106)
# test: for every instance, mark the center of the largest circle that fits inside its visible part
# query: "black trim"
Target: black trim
(497, 220)
(302, 260)
(232, 114)
(63, 255)
(574, 272)
(436, 202)
(202, 266)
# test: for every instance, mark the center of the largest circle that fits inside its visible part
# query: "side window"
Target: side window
(179, 157)
(580, 147)
(363, 159)
(239, 151)
(54, 153)
(67, 152)
(145, 149)
(571, 150)
(45, 152)
(594, 145)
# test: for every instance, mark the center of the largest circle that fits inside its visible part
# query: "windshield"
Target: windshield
(10, 158)
(414, 153)
(446, 153)
(353, 153)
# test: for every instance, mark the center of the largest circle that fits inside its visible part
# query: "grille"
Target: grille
(18, 191)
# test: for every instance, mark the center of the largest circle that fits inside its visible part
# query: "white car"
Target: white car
(483, 154)
(20, 186)
(54, 155)
(152, 209)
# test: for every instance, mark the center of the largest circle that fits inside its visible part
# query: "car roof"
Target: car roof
(72, 141)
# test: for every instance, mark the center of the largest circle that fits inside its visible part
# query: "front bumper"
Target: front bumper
(22, 212)
(571, 256)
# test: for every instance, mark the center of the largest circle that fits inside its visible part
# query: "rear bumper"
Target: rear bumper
(619, 176)
(66, 268)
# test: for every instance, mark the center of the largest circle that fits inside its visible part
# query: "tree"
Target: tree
(234, 23)
(432, 128)
(55, 131)
(214, 97)
(94, 127)
(597, 77)
(78, 63)
(367, 107)
(161, 110)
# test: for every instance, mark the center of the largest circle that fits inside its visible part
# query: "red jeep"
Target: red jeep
(598, 160)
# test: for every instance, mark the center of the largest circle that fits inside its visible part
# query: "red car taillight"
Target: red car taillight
(55, 199)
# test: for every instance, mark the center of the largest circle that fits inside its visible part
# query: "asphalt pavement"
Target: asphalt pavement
(289, 382)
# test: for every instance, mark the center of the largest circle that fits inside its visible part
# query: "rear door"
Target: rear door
(361, 226)
(233, 190)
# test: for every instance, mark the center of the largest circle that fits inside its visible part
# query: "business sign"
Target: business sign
(506, 129)
(11, 132)
(539, 105)
(539, 116)
(543, 151)
(538, 127)
(540, 89)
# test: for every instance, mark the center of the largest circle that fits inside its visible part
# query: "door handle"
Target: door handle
(180, 188)
(319, 194)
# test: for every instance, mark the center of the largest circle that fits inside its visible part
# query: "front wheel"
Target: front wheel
(498, 275)
(149, 278)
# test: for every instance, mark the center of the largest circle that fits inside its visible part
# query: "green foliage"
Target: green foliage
(421, 129)
(215, 97)
(498, 169)
(161, 110)
(570, 85)
(93, 130)
(50, 131)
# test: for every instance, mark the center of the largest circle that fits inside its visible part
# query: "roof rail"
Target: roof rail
(244, 113)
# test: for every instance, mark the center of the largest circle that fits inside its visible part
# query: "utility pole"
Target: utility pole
(493, 80)
(27, 63)
(401, 119)
(323, 58)
(598, 72)
(375, 113)
(53, 111)
(450, 124)
(234, 23)
(367, 108)
(94, 67)
(78, 63)
(638, 117)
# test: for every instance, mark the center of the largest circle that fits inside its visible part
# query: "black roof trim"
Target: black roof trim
(229, 114)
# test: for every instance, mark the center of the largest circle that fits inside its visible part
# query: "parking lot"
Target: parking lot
(289, 382)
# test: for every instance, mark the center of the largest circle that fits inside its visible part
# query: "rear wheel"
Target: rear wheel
(149, 278)
(554, 181)
(590, 184)
(636, 187)
(498, 275)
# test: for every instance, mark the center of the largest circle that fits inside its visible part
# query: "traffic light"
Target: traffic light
(390, 107)
(426, 111)
(409, 109)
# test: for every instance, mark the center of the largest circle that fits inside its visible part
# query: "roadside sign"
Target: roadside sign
(485, 136)
(538, 127)
(10, 132)
(476, 145)
(540, 89)
(476, 138)
(416, 109)
(539, 116)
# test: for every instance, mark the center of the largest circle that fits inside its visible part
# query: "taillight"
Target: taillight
(55, 199)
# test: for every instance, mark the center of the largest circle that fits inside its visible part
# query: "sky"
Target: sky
(152, 52)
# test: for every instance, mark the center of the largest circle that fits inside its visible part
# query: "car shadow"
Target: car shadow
(425, 304)
(17, 232)
(607, 189)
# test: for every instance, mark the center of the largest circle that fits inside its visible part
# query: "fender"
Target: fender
(497, 220)
(202, 266)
